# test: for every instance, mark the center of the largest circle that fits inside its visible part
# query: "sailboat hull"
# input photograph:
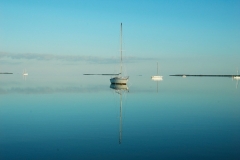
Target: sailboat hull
(236, 77)
(119, 80)
(157, 78)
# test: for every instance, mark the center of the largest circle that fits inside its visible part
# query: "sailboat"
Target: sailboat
(25, 73)
(157, 78)
(237, 76)
(120, 79)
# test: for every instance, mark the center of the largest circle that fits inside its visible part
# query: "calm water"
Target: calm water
(81, 118)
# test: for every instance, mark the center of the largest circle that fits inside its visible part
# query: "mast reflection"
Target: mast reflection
(236, 82)
(120, 89)
(157, 80)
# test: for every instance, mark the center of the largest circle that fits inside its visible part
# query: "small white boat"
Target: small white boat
(157, 78)
(237, 77)
(120, 79)
(25, 73)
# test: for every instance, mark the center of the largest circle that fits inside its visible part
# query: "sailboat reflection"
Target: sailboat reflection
(157, 80)
(120, 89)
(236, 82)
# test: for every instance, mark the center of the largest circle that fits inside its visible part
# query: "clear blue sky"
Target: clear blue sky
(151, 29)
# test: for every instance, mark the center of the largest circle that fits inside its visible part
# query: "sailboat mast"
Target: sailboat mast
(121, 48)
(157, 68)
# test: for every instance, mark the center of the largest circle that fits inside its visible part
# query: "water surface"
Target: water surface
(79, 118)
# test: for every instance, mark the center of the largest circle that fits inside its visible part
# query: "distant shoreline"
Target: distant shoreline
(100, 74)
(181, 75)
(6, 73)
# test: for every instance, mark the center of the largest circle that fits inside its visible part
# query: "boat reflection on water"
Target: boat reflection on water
(236, 81)
(120, 89)
(157, 80)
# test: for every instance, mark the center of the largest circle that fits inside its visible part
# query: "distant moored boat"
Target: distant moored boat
(237, 76)
(157, 78)
(25, 73)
